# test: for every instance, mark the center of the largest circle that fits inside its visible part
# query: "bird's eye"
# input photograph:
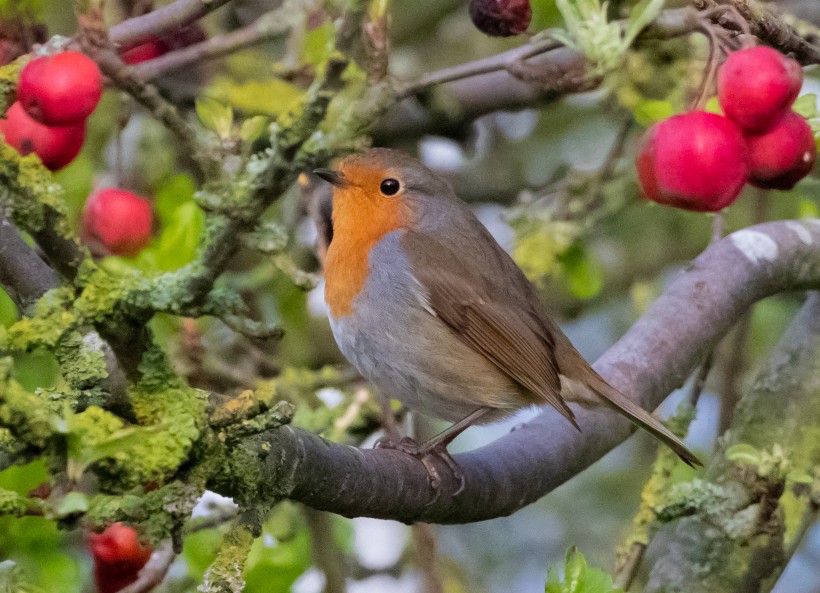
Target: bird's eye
(390, 187)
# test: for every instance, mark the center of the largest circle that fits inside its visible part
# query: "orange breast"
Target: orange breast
(359, 222)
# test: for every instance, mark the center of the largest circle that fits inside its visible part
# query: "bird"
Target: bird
(429, 308)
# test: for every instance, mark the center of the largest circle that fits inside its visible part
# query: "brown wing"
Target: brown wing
(488, 312)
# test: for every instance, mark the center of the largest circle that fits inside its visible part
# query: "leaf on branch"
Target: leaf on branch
(579, 577)
(215, 116)
(603, 42)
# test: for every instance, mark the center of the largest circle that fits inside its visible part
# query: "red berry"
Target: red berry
(782, 156)
(501, 18)
(117, 222)
(60, 89)
(55, 145)
(149, 50)
(697, 161)
(756, 86)
(118, 557)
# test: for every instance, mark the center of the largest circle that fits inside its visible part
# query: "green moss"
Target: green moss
(14, 504)
(226, 574)
(82, 359)
(23, 413)
(30, 193)
(158, 513)
(9, 75)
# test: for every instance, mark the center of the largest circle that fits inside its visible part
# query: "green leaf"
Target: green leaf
(215, 116)
(579, 577)
(651, 111)
(641, 16)
(180, 238)
(175, 192)
(743, 453)
(319, 44)
(806, 105)
(713, 106)
(71, 503)
(583, 272)
(8, 310)
(253, 128)
(270, 97)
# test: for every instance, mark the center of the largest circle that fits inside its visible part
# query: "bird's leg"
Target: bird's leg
(437, 446)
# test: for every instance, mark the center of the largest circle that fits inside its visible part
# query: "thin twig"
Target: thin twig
(269, 26)
(628, 567)
(427, 558)
(325, 551)
(730, 394)
(140, 29)
(475, 68)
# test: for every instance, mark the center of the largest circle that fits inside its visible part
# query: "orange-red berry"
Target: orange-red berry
(55, 145)
(696, 161)
(783, 155)
(61, 89)
(117, 222)
(118, 557)
(756, 86)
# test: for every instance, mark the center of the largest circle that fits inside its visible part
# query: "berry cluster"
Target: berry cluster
(118, 557)
(55, 96)
(700, 161)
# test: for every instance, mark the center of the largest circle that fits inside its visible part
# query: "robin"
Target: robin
(428, 307)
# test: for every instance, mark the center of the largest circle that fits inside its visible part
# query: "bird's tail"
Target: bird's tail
(643, 419)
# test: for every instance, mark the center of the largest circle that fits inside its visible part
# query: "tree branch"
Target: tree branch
(653, 358)
(24, 275)
(134, 31)
(494, 83)
(269, 26)
(735, 522)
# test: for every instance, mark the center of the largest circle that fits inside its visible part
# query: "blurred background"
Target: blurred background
(554, 183)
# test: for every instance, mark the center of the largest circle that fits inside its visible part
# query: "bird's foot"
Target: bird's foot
(425, 452)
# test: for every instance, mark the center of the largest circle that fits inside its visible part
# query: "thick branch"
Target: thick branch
(134, 31)
(653, 358)
(23, 274)
(736, 524)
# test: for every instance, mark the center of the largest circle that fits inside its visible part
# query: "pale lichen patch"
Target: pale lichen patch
(754, 245)
(800, 230)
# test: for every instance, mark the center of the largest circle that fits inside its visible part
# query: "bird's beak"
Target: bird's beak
(335, 178)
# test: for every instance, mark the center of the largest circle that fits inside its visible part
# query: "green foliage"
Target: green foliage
(8, 310)
(579, 577)
(583, 272)
(215, 116)
(14, 8)
(604, 43)
(773, 464)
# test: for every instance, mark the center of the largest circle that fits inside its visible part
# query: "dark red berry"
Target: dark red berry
(144, 52)
(118, 557)
(117, 222)
(756, 86)
(61, 89)
(783, 155)
(55, 145)
(696, 161)
(501, 18)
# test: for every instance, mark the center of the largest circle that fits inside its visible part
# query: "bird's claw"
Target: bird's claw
(425, 454)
